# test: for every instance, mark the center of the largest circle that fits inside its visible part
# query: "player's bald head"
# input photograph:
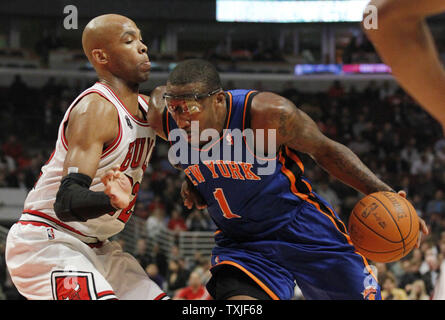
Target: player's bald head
(102, 31)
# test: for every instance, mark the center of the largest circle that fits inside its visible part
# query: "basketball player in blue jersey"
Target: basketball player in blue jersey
(403, 37)
(274, 230)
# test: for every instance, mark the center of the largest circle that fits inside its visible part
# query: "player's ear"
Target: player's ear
(99, 56)
(220, 98)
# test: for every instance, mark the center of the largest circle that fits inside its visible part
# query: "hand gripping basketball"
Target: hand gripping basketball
(117, 187)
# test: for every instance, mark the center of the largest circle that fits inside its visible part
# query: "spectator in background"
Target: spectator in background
(146, 194)
(410, 273)
(436, 205)
(359, 126)
(336, 90)
(360, 146)
(423, 165)
(176, 222)
(7, 163)
(13, 148)
(390, 289)
(194, 291)
(176, 277)
(385, 91)
(142, 255)
(417, 291)
(156, 222)
(440, 154)
(410, 152)
(195, 221)
(431, 276)
(290, 92)
(159, 258)
(141, 211)
(153, 272)
(18, 92)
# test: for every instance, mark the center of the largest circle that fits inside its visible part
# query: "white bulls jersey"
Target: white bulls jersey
(131, 150)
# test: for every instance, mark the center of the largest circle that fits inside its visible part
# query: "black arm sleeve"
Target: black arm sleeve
(76, 202)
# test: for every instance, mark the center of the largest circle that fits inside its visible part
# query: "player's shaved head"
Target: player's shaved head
(113, 45)
(100, 32)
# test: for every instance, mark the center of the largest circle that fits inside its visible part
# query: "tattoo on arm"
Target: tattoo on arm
(287, 124)
(341, 162)
(298, 131)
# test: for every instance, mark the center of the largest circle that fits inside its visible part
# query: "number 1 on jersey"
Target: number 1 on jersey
(222, 201)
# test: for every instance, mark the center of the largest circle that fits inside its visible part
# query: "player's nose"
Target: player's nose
(143, 48)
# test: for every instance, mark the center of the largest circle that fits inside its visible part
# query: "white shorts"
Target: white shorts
(49, 264)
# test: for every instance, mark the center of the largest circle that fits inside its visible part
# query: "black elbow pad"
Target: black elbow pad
(76, 202)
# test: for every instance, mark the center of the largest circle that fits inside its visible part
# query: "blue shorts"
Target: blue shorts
(312, 251)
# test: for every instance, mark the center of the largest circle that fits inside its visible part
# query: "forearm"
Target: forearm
(340, 162)
(408, 48)
(75, 202)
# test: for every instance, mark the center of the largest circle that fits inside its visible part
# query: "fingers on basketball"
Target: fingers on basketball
(402, 193)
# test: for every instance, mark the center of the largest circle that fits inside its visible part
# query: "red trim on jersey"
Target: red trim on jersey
(59, 223)
(138, 121)
(106, 293)
(35, 223)
(160, 296)
(113, 146)
(146, 102)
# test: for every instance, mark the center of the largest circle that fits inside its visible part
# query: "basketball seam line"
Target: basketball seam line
(390, 251)
(410, 221)
(363, 223)
(401, 235)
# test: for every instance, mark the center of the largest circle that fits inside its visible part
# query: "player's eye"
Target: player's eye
(128, 41)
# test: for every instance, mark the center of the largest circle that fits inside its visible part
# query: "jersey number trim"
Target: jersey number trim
(224, 206)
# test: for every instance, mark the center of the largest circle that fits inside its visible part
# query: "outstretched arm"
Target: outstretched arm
(404, 42)
(297, 130)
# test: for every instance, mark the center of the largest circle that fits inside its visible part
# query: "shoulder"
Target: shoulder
(87, 114)
(267, 108)
(94, 106)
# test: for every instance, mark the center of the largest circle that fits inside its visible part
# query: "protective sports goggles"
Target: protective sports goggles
(186, 103)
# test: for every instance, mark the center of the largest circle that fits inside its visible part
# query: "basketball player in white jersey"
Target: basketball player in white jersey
(87, 190)
(404, 42)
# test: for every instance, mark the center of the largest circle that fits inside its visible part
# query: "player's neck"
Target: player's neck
(127, 93)
(222, 118)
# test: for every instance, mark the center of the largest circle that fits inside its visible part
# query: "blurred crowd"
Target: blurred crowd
(392, 135)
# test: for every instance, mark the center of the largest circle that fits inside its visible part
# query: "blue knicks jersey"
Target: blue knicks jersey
(248, 197)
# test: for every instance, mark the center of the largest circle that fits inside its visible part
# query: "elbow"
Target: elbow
(61, 212)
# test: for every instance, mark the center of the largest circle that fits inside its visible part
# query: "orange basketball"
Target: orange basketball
(384, 227)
